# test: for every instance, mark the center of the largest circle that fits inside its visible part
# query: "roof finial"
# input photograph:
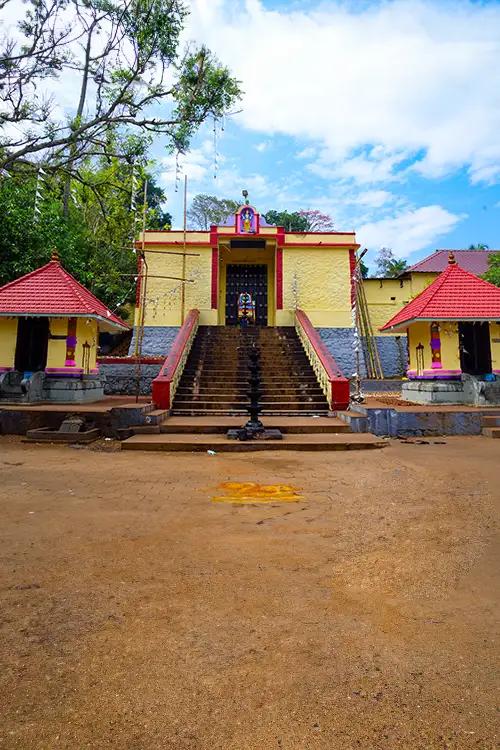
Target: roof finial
(245, 195)
(55, 255)
(451, 259)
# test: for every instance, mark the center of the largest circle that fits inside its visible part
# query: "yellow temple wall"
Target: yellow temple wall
(420, 281)
(56, 350)
(8, 339)
(385, 297)
(318, 281)
(450, 352)
(164, 296)
(495, 345)
(86, 331)
(420, 333)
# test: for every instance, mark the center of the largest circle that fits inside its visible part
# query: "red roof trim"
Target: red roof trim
(50, 291)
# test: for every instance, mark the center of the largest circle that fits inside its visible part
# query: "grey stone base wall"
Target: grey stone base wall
(121, 379)
(393, 352)
(156, 341)
(340, 344)
(387, 421)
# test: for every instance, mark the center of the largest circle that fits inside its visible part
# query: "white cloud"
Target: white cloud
(375, 198)
(409, 230)
(408, 77)
(307, 153)
(260, 147)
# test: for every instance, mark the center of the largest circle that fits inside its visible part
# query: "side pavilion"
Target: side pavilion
(453, 331)
(49, 330)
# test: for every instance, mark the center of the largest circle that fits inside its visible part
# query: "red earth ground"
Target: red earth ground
(138, 614)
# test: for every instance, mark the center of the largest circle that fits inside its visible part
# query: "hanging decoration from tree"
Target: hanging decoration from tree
(40, 184)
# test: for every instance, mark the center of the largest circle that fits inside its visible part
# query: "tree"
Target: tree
(317, 221)
(388, 265)
(291, 221)
(207, 209)
(364, 269)
(157, 217)
(479, 246)
(94, 239)
(493, 273)
(132, 74)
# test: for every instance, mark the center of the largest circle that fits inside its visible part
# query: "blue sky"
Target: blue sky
(384, 115)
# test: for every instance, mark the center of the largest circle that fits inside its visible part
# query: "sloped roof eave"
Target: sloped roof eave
(402, 325)
(100, 319)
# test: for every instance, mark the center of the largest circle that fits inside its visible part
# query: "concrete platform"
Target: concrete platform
(220, 425)
(220, 444)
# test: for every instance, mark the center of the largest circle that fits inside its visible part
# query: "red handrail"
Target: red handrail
(162, 384)
(338, 397)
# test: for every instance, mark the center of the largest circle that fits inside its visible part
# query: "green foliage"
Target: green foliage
(479, 246)
(207, 209)
(493, 273)
(291, 221)
(157, 217)
(364, 269)
(388, 265)
(131, 70)
(94, 239)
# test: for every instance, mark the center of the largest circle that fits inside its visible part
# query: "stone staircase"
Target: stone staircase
(215, 379)
(490, 424)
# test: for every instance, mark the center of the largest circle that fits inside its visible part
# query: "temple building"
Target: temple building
(386, 296)
(282, 271)
(49, 329)
(453, 329)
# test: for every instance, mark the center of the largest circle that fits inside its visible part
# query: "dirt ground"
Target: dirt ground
(136, 613)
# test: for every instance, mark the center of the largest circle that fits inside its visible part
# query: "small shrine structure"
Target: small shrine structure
(49, 329)
(453, 330)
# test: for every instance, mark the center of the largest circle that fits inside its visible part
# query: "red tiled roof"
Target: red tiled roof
(455, 295)
(50, 290)
(474, 261)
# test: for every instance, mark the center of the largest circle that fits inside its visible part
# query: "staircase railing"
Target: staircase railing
(334, 385)
(165, 384)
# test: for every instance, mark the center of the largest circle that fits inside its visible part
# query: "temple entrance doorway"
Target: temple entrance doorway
(31, 345)
(475, 348)
(246, 279)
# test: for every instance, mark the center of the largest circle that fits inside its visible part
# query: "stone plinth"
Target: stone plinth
(433, 392)
(73, 390)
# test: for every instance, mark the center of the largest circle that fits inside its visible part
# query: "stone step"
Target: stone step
(244, 374)
(220, 444)
(196, 412)
(220, 425)
(295, 404)
(155, 416)
(244, 397)
(491, 432)
(490, 421)
(237, 392)
(214, 378)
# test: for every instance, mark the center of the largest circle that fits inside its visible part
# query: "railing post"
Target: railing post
(166, 382)
(335, 386)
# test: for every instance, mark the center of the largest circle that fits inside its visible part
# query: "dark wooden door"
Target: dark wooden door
(246, 278)
(475, 348)
(32, 343)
